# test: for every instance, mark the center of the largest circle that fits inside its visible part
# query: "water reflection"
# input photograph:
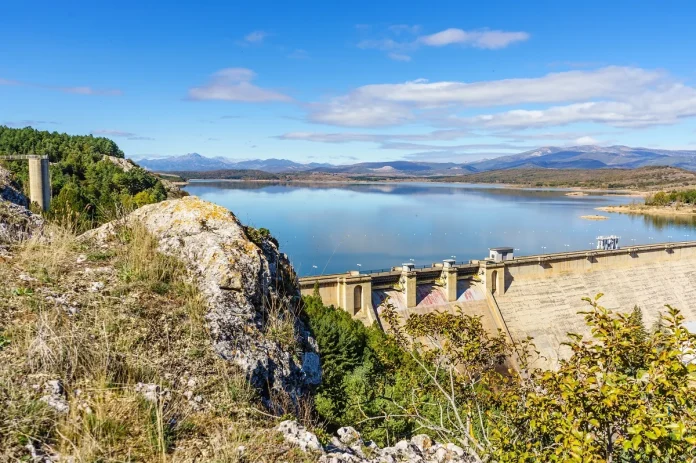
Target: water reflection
(330, 227)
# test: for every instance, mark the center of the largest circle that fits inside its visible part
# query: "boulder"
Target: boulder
(349, 447)
(249, 286)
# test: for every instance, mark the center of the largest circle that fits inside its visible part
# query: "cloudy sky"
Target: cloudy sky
(343, 82)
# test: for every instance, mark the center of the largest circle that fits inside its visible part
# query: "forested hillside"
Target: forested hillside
(88, 189)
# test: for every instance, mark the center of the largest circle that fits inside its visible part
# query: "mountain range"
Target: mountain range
(198, 162)
(576, 157)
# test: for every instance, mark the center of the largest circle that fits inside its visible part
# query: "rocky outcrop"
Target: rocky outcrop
(349, 447)
(17, 223)
(9, 191)
(250, 288)
(172, 190)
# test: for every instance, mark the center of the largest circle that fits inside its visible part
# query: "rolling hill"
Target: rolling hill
(586, 157)
(590, 157)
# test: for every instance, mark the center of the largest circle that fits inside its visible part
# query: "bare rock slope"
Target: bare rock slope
(250, 289)
(17, 223)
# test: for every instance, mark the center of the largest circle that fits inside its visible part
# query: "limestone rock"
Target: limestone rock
(152, 392)
(123, 163)
(349, 447)
(55, 397)
(298, 435)
(242, 282)
(9, 191)
(17, 223)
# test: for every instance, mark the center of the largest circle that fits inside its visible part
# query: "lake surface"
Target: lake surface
(332, 228)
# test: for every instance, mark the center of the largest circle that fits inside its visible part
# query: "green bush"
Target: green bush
(368, 380)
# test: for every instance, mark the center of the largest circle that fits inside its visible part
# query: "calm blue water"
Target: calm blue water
(332, 228)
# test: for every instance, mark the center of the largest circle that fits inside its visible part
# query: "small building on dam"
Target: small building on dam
(537, 296)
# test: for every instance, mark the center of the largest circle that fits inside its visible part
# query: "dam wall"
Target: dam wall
(542, 295)
(537, 296)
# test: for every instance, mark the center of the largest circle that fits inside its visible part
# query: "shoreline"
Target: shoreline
(649, 210)
(569, 189)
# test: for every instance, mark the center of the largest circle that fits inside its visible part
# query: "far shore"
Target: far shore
(572, 191)
(649, 210)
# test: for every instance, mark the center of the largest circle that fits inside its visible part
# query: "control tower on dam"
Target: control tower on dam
(538, 296)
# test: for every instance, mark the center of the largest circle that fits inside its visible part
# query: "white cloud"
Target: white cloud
(613, 95)
(399, 57)
(381, 44)
(562, 86)
(27, 123)
(465, 147)
(663, 107)
(586, 140)
(348, 112)
(84, 90)
(234, 84)
(255, 37)
(119, 134)
(347, 137)
(405, 29)
(487, 39)
(393, 39)
(112, 133)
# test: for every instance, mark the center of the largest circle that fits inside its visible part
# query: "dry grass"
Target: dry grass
(102, 320)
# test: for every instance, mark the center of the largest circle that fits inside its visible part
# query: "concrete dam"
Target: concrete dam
(538, 296)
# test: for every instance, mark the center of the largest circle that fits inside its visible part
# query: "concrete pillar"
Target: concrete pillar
(408, 284)
(501, 280)
(39, 182)
(449, 276)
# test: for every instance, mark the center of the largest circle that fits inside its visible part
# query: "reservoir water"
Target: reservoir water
(332, 228)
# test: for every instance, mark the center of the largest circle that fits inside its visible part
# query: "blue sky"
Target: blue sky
(343, 82)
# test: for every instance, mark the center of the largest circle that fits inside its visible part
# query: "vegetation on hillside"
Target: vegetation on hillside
(118, 337)
(226, 174)
(367, 378)
(86, 188)
(643, 178)
(662, 198)
(122, 331)
(626, 395)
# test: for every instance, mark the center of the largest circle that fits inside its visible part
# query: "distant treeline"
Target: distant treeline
(663, 198)
(226, 174)
(87, 190)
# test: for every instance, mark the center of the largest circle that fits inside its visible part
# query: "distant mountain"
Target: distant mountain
(196, 162)
(399, 168)
(550, 157)
(590, 157)
(191, 161)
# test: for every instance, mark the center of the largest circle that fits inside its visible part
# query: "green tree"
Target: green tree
(87, 189)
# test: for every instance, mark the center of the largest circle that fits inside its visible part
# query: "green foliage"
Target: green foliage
(257, 235)
(87, 190)
(225, 174)
(368, 380)
(662, 198)
(624, 396)
(57, 146)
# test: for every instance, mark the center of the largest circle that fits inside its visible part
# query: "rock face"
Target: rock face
(17, 223)
(250, 289)
(9, 192)
(349, 447)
